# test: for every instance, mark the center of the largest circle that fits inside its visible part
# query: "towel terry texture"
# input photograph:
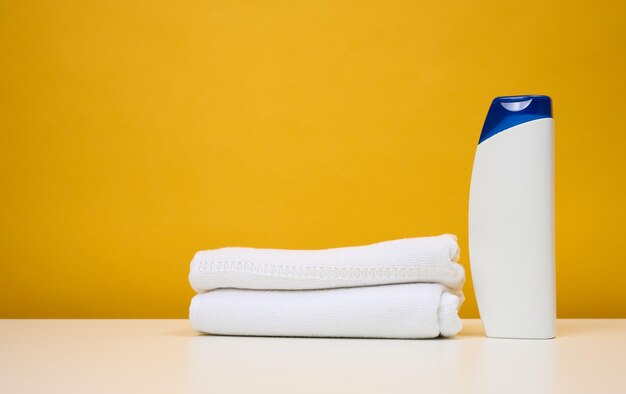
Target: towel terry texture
(407, 288)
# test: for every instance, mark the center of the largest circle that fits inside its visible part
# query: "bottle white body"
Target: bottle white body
(511, 231)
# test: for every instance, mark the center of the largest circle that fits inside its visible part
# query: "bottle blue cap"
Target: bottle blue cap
(508, 111)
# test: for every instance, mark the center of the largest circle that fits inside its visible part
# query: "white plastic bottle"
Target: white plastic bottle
(511, 219)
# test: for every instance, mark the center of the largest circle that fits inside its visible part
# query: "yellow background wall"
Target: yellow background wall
(135, 133)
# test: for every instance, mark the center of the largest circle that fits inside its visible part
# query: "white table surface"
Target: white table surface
(166, 356)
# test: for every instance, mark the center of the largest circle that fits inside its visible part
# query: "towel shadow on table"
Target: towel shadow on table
(200, 335)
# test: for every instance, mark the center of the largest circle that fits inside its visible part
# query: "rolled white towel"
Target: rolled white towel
(411, 260)
(393, 311)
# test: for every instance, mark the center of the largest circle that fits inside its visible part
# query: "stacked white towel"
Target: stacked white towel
(407, 288)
